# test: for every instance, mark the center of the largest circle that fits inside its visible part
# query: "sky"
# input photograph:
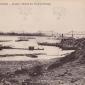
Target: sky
(58, 16)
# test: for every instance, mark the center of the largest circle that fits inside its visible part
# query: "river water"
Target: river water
(49, 52)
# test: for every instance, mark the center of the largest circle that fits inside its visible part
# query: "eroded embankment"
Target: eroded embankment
(69, 70)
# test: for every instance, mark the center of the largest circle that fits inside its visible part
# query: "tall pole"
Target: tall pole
(62, 39)
(72, 34)
(72, 38)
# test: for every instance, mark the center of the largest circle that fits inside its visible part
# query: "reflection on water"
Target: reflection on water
(48, 52)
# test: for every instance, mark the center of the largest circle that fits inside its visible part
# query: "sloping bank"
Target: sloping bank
(69, 70)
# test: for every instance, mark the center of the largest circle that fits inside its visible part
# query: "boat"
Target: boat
(47, 44)
(32, 55)
(33, 48)
(22, 39)
(51, 41)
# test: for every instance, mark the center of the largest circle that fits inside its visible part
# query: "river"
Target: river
(49, 52)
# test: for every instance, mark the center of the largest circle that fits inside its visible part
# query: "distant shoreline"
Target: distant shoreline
(22, 34)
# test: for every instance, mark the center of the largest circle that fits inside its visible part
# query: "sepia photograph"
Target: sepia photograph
(42, 42)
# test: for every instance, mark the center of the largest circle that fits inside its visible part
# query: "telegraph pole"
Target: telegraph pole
(72, 34)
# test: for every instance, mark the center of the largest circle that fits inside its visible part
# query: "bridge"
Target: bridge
(75, 34)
